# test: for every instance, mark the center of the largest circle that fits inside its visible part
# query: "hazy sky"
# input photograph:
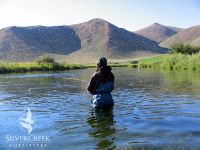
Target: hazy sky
(129, 14)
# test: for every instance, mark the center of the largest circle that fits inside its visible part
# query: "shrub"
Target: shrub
(46, 60)
(134, 62)
(184, 49)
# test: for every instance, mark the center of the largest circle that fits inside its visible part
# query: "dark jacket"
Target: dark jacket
(101, 77)
(101, 86)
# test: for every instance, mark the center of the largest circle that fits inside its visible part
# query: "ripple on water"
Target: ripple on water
(150, 110)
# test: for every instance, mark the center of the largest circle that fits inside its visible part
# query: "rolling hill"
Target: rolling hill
(81, 42)
(186, 36)
(27, 43)
(158, 32)
(101, 38)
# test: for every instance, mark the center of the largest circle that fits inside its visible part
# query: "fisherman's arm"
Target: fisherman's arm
(92, 84)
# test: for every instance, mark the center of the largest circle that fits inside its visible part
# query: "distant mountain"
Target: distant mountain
(158, 32)
(187, 36)
(80, 42)
(27, 43)
(101, 38)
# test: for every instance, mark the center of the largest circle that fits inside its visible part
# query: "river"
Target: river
(153, 110)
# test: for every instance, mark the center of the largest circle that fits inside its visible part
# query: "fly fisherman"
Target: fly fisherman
(101, 85)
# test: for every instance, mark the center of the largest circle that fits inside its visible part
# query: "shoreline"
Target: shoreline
(165, 61)
(172, 62)
(25, 67)
(19, 67)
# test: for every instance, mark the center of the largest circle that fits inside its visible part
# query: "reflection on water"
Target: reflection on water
(103, 128)
(153, 110)
(182, 82)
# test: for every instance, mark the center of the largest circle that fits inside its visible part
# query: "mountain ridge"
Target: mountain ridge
(87, 40)
(187, 36)
(158, 32)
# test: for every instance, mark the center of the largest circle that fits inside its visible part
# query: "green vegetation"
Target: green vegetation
(173, 62)
(45, 60)
(43, 64)
(185, 49)
(131, 64)
(125, 63)
(48, 63)
(152, 61)
(182, 62)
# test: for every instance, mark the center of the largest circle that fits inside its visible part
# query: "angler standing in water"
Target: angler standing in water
(101, 85)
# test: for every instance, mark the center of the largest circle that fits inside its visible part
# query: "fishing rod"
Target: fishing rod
(76, 79)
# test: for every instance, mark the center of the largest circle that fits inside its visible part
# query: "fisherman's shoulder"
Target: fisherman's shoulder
(96, 75)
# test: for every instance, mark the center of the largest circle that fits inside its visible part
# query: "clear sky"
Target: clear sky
(129, 14)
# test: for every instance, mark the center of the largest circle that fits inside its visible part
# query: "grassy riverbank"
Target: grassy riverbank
(166, 61)
(33, 66)
(21, 67)
(173, 62)
(48, 63)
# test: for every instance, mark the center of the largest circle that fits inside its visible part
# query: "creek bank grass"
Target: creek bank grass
(182, 62)
(132, 64)
(33, 66)
(173, 62)
(165, 61)
(152, 61)
(21, 67)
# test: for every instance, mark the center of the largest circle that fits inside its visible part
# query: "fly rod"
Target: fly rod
(76, 79)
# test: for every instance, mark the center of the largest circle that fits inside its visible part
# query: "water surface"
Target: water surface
(153, 109)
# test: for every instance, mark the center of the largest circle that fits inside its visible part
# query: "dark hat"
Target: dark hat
(102, 61)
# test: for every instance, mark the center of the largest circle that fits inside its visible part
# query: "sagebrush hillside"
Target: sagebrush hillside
(186, 36)
(27, 43)
(158, 32)
(81, 42)
(101, 38)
